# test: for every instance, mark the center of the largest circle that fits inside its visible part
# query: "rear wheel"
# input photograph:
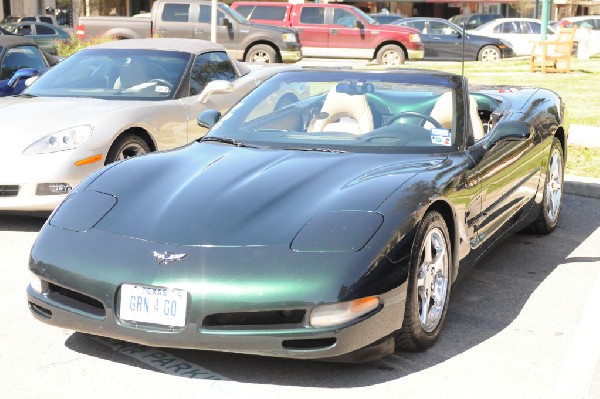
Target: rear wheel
(429, 285)
(391, 55)
(261, 53)
(127, 146)
(489, 54)
(553, 190)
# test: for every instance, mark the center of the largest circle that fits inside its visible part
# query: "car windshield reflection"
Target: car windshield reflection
(115, 74)
(346, 112)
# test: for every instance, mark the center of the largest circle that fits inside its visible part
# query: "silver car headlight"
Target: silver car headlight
(290, 38)
(62, 140)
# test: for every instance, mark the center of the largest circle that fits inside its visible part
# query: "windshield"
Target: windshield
(367, 17)
(239, 17)
(345, 111)
(115, 74)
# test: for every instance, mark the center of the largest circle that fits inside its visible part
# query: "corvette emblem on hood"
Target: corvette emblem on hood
(165, 258)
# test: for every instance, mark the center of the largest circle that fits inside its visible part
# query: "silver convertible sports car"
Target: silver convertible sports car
(333, 226)
(108, 102)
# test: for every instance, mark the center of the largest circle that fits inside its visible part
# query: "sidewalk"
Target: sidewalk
(588, 136)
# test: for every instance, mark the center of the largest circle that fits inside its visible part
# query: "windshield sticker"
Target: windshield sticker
(162, 89)
(441, 137)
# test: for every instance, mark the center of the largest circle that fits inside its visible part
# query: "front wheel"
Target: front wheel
(261, 53)
(391, 55)
(553, 190)
(127, 146)
(489, 54)
(429, 285)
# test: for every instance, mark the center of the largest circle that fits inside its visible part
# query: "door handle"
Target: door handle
(198, 30)
(160, 29)
(299, 30)
(333, 31)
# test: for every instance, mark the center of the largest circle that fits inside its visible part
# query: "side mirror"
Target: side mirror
(208, 118)
(214, 87)
(225, 22)
(360, 24)
(509, 130)
(22, 74)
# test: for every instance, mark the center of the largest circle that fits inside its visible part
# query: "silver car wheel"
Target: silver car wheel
(554, 186)
(260, 56)
(131, 150)
(489, 54)
(391, 58)
(432, 282)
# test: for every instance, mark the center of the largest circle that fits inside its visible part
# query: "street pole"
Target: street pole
(213, 21)
(545, 17)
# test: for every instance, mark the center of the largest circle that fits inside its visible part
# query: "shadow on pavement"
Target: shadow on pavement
(13, 222)
(486, 302)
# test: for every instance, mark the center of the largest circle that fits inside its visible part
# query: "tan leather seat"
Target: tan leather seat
(443, 112)
(343, 112)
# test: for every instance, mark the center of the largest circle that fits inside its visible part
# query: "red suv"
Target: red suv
(338, 31)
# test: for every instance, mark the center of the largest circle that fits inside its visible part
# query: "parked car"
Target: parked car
(472, 21)
(386, 18)
(109, 102)
(592, 22)
(45, 35)
(16, 53)
(332, 228)
(337, 31)
(192, 19)
(15, 19)
(519, 32)
(443, 40)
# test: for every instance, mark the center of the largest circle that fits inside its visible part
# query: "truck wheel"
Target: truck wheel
(489, 54)
(261, 53)
(391, 55)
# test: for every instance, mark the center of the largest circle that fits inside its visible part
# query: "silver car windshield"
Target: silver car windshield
(346, 111)
(115, 74)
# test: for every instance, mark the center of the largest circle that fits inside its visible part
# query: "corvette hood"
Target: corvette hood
(216, 195)
(26, 120)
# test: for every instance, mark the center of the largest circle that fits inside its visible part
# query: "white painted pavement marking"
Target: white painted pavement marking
(160, 360)
(575, 378)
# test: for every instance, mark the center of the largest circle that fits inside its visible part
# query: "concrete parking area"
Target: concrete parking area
(522, 324)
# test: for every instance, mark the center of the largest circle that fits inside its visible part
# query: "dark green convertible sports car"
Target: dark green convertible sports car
(327, 215)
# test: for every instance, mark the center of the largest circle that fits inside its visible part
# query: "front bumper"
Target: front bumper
(83, 295)
(416, 55)
(291, 56)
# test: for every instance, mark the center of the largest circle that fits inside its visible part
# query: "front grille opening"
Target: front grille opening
(265, 318)
(40, 311)
(76, 300)
(9, 191)
(309, 344)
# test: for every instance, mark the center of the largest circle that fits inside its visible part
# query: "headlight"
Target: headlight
(343, 312)
(62, 140)
(289, 38)
(414, 37)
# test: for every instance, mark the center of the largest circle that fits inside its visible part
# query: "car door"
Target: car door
(346, 38)
(445, 42)
(174, 20)
(312, 30)
(227, 35)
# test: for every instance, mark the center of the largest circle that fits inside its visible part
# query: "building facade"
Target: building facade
(67, 11)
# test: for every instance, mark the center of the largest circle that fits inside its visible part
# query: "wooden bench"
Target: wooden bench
(553, 55)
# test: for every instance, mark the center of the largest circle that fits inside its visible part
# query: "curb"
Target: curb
(582, 186)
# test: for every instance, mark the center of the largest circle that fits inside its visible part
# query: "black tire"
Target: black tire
(127, 146)
(428, 286)
(261, 53)
(553, 191)
(391, 55)
(489, 54)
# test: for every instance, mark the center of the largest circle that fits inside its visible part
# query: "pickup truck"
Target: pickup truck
(338, 31)
(243, 40)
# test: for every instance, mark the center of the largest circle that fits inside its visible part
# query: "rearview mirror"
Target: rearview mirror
(22, 74)
(214, 87)
(208, 118)
(509, 130)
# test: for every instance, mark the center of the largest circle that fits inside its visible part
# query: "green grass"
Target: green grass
(579, 89)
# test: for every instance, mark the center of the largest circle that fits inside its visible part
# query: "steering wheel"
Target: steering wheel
(413, 114)
(162, 82)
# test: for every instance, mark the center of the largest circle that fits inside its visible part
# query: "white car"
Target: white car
(592, 22)
(519, 32)
(110, 102)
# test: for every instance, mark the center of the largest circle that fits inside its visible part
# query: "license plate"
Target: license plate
(158, 305)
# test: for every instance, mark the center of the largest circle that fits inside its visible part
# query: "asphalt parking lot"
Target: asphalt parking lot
(523, 324)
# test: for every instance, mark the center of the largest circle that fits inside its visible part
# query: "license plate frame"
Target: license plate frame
(162, 306)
